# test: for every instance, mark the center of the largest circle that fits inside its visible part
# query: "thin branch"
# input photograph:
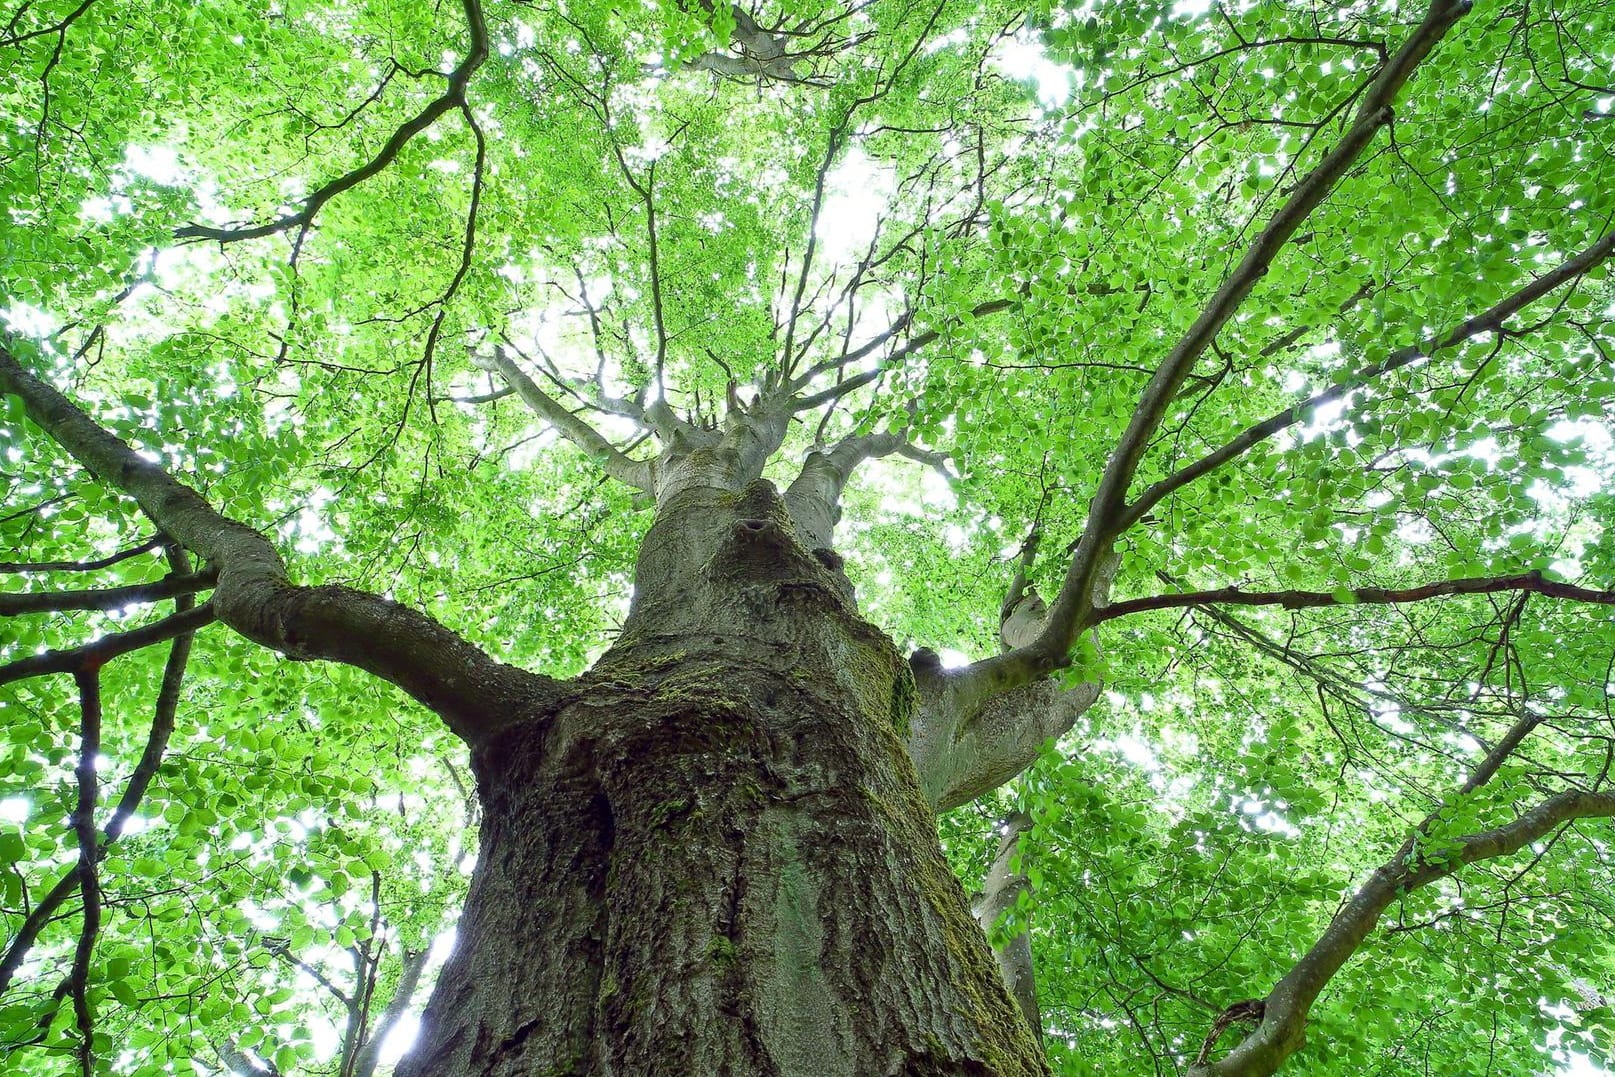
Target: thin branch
(1490, 321)
(654, 268)
(479, 398)
(89, 881)
(409, 978)
(838, 390)
(162, 727)
(1282, 1031)
(847, 358)
(832, 148)
(83, 566)
(468, 244)
(453, 97)
(99, 652)
(58, 28)
(1532, 582)
(1289, 340)
(914, 344)
(282, 949)
(647, 194)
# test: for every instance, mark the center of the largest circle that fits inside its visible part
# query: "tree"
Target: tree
(758, 467)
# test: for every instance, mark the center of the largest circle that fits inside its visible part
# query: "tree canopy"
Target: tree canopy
(1296, 319)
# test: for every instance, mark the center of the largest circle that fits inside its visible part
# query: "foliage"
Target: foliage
(610, 195)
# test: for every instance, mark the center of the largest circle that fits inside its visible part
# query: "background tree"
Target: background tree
(1218, 422)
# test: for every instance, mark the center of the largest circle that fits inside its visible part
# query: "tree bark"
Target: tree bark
(712, 855)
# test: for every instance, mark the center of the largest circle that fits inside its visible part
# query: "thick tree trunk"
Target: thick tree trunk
(713, 857)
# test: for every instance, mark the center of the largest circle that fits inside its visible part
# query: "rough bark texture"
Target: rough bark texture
(712, 856)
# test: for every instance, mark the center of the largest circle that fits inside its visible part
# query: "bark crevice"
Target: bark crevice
(713, 855)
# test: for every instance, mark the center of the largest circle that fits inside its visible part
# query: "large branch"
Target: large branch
(969, 736)
(471, 691)
(1282, 1031)
(617, 464)
(1490, 321)
(964, 749)
(452, 98)
(814, 496)
(1073, 604)
(409, 978)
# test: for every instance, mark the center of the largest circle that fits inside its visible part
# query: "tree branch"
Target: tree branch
(814, 496)
(1491, 321)
(1073, 605)
(1282, 1031)
(965, 746)
(89, 881)
(99, 652)
(110, 598)
(914, 344)
(788, 352)
(409, 978)
(838, 390)
(1004, 885)
(1532, 582)
(473, 693)
(282, 949)
(238, 1061)
(451, 98)
(832, 147)
(617, 464)
(162, 727)
(46, 31)
(971, 735)
(83, 566)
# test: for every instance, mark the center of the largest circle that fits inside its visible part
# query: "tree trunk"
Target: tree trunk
(713, 856)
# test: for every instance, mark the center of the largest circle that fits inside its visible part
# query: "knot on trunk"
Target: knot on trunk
(1250, 1011)
(762, 547)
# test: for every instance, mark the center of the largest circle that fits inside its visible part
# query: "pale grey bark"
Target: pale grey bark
(971, 735)
(814, 496)
(1004, 885)
(1001, 738)
(688, 456)
(616, 463)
